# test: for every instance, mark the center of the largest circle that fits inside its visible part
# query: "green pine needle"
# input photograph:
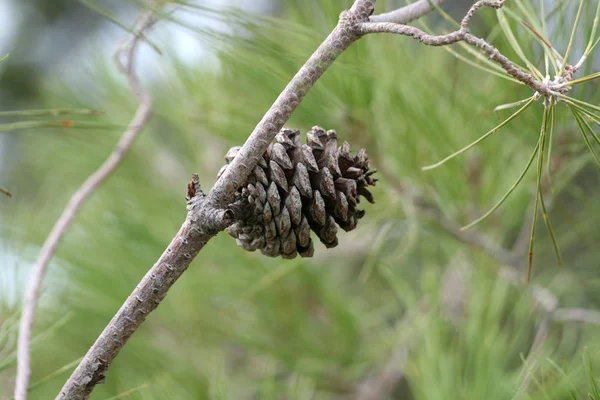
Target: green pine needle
(572, 39)
(50, 112)
(68, 124)
(591, 44)
(106, 13)
(508, 193)
(515, 44)
(538, 195)
(581, 103)
(510, 105)
(482, 138)
(128, 392)
(584, 79)
(472, 63)
(585, 112)
(538, 32)
(56, 373)
(590, 130)
(548, 122)
(587, 361)
(550, 136)
(582, 129)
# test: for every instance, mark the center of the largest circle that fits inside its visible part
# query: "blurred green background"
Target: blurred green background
(406, 307)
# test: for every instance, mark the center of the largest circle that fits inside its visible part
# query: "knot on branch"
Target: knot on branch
(568, 73)
(194, 188)
(206, 217)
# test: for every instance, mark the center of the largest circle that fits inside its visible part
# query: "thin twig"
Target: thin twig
(464, 35)
(408, 13)
(141, 117)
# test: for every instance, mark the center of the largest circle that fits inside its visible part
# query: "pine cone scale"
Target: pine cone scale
(296, 188)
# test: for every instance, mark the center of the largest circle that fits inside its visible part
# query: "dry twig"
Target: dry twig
(138, 122)
(464, 35)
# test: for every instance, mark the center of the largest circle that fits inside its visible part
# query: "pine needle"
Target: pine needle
(580, 102)
(550, 137)
(128, 392)
(56, 373)
(51, 112)
(595, 395)
(590, 129)
(549, 121)
(579, 121)
(587, 113)
(590, 45)
(14, 126)
(515, 44)
(538, 194)
(510, 105)
(469, 49)
(584, 79)
(495, 129)
(550, 230)
(265, 281)
(445, 15)
(106, 13)
(535, 28)
(487, 64)
(508, 193)
(481, 67)
(572, 39)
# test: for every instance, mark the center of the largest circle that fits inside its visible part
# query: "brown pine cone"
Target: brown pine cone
(296, 188)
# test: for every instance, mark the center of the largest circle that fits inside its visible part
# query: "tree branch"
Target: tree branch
(407, 13)
(201, 224)
(463, 35)
(141, 117)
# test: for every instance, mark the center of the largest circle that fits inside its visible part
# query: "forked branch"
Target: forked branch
(464, 35)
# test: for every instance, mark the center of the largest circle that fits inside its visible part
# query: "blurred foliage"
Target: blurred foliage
(239, 325)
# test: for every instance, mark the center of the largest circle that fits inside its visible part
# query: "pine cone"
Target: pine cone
(296, 188)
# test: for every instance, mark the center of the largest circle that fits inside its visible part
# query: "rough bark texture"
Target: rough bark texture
(201, 224)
